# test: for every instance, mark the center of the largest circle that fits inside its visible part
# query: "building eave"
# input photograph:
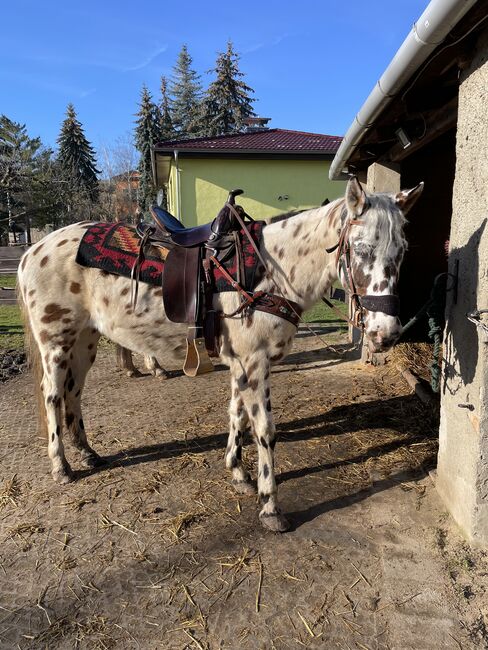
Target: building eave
(427, 34)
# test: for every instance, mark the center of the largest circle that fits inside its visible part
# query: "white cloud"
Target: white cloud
(146, 61)
(259, 46)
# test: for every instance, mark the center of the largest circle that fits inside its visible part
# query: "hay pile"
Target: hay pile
(416, 357)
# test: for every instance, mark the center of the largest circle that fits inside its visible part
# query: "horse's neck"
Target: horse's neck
(295, 252)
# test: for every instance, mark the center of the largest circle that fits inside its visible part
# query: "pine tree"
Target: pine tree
(77, 157)
(28, 187)
(227, 101)
(146, 135)
(166, 130)
(186, 93)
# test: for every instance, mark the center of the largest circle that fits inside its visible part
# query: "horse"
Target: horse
(67, 307)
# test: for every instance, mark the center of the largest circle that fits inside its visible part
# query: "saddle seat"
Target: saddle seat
(180, 235)
(168, 230)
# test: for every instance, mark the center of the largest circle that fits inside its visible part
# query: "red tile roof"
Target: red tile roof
(268, 140)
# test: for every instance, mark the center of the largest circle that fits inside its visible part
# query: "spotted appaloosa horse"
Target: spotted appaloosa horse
(67, 307)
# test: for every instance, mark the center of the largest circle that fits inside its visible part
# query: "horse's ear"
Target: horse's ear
(355, 196)
(406, 198)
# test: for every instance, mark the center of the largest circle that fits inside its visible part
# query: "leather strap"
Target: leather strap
(387, 304)
(262, 301)
(278, 306)
(290, 303)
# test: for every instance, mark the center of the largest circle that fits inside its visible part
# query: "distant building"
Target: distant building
(279, 170)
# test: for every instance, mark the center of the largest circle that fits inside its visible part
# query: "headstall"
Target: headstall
(386, 303)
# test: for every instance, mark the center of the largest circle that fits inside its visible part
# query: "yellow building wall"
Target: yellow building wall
(204, 185)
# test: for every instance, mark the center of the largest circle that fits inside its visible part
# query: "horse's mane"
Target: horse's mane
(285, 215)
(388, 223)
(385, 220)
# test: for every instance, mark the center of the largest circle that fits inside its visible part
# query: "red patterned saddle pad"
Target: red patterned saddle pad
(113, 247)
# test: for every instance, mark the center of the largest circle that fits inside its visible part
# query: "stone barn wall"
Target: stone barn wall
(462, 477)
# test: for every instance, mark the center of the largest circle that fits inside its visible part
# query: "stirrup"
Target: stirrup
(197, 361)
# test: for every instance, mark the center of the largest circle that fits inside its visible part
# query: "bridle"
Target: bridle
(387, 303)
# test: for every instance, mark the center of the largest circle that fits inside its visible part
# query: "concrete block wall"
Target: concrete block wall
(462, 474)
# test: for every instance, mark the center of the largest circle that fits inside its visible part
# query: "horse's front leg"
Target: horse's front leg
(237, 427)
(254, 387)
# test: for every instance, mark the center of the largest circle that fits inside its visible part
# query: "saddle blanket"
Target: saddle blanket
(113, 247)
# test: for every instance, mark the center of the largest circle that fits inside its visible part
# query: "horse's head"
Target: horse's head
(369, 257)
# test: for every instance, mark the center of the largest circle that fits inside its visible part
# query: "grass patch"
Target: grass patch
(320, 313)
(11, 330)
(8, 281)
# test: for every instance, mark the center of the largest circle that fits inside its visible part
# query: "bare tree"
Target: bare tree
(120, 179)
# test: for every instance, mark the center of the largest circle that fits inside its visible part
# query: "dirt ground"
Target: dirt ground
(156, 551)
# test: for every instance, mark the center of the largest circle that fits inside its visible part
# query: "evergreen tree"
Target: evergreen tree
(186, 93)
(28, 192)
(77, 157)
(166, 130)
(227, 100)
(146, 135)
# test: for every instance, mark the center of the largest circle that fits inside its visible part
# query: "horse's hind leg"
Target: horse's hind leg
(83, 356)
(233, 456)
(54, 375)
(152, 364)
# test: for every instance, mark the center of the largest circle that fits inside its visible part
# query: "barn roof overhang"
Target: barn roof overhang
(418, 91)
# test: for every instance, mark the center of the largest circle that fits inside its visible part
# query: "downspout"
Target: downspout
(178, 188)
(427, 33)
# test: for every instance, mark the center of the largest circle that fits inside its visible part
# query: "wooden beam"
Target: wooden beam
(436, 123)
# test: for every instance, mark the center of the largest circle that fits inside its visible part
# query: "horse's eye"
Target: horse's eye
(361, 250)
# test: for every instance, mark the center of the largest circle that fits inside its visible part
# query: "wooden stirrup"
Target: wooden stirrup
(197, 361)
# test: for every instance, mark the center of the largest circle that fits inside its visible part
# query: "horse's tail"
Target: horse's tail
(33, 358)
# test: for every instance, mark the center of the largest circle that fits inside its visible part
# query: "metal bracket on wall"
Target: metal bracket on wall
(475, 318)
(454, 278)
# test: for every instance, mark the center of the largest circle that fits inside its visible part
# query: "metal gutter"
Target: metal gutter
(178, 186)
(427, 33)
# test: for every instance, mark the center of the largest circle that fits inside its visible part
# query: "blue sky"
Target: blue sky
(312, 63)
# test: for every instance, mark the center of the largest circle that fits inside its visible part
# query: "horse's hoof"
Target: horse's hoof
(63, 475)
(160, 374)
(93, 460)
(134, 374)
(274, 521)
(244, 487)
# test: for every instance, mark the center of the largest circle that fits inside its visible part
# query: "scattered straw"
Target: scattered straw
(307, 626)
(109, 523)
(11, 492)
(260, 584)
(177, 525)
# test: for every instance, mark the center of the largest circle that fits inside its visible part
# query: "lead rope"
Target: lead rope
(269, 276)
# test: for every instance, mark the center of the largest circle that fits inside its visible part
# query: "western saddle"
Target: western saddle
(187, 294)
(187, 279)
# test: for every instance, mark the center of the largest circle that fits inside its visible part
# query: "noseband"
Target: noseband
(386, 304)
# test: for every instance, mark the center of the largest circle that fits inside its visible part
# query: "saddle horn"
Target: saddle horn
(232, 196)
